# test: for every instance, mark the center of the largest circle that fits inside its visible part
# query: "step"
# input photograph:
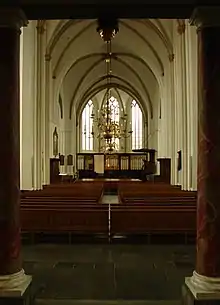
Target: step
(105, 302)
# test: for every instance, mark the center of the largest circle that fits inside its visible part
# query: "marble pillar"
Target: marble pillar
(13, 280)
(204, 285)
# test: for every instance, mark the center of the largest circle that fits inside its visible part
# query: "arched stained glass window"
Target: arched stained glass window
(87, 123)
(137, 125)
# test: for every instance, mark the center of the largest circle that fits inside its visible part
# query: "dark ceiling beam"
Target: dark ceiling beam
(72, 9)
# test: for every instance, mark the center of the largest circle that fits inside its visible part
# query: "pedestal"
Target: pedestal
(19, 293)
(200, 289)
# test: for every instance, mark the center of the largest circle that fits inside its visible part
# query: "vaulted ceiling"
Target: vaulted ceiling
(141, 51)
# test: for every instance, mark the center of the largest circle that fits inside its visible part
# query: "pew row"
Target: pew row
(154, 193)
(67, 219)
(168, 223)
(85, 193)
(107, 220)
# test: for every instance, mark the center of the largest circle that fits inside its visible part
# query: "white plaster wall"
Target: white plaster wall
(192, 104)
(185, 110)
(34, 118)
(167, 116)
(21, 106)
(27, 100)
(180, 102)
(153, 131)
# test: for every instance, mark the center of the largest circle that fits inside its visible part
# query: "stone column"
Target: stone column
(47, 121)
(204, 285)
(12, 276)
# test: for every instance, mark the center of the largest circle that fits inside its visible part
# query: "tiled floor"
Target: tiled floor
(94, 274)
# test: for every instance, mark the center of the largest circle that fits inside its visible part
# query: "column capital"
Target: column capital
(171, 57)
(181, 26)
(40, 27)
(12, 18)
(47, 57)
(205, 16)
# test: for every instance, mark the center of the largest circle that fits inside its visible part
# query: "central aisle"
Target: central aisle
(110, 199)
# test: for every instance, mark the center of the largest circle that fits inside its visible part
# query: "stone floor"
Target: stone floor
(97, 302)
(94, 274)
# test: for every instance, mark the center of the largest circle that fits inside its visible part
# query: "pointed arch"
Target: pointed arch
(86, 127)
(136, 126)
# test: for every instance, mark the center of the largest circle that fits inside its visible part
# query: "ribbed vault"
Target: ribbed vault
(141, 53)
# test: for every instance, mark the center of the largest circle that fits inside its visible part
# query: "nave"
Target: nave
(156, 65)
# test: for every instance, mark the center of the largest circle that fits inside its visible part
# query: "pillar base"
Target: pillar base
(201, 290)
(15, 289)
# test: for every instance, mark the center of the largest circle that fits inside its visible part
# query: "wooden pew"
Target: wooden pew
(144, 209)
(66, 194)
(156, 200)
(154, 193)
(60, 198)
(151, 219)
(61, 209)
(58, 219)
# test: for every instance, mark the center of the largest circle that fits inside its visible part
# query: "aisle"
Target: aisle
(110, 199)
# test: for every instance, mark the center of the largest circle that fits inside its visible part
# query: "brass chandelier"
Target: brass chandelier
(110, 130)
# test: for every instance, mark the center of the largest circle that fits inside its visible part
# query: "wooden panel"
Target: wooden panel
(124, 163)
(89, 162)
(112, 162)
(118, 165)
(137, 161)
(80, 162)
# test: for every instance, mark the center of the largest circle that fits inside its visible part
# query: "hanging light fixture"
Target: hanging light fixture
(107, 28)
(108, 128)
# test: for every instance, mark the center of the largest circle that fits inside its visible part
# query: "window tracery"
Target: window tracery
(137, 125)
(87, 125)
(89, 129)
